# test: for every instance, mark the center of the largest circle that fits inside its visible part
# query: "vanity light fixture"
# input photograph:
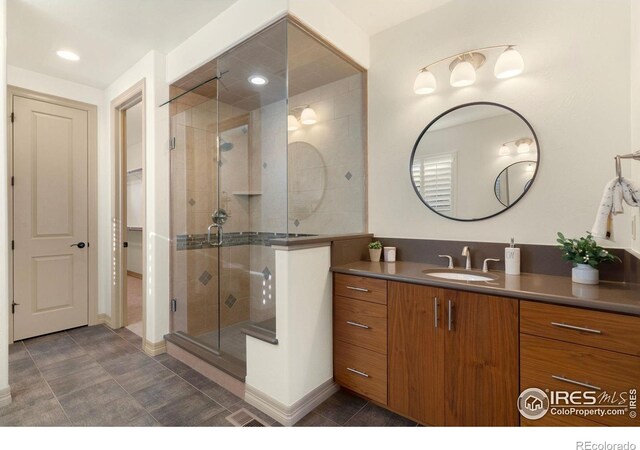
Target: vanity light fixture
(307, 117)
(523, 145)
(463, 67)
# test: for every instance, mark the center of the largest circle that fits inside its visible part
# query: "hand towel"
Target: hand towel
(615, 192)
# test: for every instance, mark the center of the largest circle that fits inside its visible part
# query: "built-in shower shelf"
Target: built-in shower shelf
(247, 193)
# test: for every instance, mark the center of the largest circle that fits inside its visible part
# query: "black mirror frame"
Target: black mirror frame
(526, 186)
(464, 105)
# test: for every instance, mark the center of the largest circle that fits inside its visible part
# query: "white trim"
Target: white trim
(5, 396)
(105, 319)
(290, 415)
(154, 348)
(290, 248)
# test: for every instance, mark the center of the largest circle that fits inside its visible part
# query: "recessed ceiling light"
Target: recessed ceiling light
(258, 80)
(68, 55)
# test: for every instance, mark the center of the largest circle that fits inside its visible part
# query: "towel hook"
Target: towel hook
(618, 168)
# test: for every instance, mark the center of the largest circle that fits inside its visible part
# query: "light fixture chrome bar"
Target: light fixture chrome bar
(458, 55)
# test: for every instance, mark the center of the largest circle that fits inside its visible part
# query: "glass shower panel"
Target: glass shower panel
(195, 263)
(252, 183)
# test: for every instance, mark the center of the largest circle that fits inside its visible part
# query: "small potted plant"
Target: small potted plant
(585, 254)
(375, 249)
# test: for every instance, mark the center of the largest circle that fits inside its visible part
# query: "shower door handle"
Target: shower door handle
(219, 235)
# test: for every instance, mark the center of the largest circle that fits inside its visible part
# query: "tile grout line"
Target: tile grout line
(48, 385)
(349, 419)
(113, 378)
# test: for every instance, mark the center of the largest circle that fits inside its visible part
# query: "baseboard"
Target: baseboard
(154, 348)
(105, 319)
(5, 396)
(289, 415)
(134, 274)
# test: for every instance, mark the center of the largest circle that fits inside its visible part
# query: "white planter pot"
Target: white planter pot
(585, 274)
(374, 254)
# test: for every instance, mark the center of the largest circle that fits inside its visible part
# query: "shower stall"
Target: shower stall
(268, 142)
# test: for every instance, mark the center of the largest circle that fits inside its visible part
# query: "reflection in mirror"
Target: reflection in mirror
(307, 179)
(514, 181)
(458, 156)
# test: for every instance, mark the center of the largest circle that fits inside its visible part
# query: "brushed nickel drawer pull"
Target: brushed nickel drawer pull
(436, 304)
(357, 372)
(359, 325)
(573, 327)
(579, 383)
(450, 315)
(357, 289)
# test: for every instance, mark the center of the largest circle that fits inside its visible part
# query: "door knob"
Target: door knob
(79, 245)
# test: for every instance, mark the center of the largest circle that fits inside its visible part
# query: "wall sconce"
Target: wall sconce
(463, 68)
(522, 145)
(307, 117)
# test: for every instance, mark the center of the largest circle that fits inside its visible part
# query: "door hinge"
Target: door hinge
(13, 245)
(125, 244)
(13, 307)
(13, 181)
(174, 305)
(172, 143)
(13, 117)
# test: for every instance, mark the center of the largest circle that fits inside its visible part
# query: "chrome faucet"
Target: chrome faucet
(450, 266)
(466, 252)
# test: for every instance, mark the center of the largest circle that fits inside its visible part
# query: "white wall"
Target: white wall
(635, 107)
(151, 68)
(5, 395)
(574, 91)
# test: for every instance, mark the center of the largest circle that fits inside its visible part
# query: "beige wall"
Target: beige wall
(575, 92)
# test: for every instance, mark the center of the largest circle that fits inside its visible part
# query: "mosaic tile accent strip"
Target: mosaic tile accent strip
(205, 278)
(199, 241)
(230, 301)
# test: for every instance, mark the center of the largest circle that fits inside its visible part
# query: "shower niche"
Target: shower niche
(269, 144)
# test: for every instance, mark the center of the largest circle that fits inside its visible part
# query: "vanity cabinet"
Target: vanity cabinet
(453, 356)
(360, 335)
(574, 349)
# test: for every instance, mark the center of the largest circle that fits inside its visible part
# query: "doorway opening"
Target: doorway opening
(128, 223)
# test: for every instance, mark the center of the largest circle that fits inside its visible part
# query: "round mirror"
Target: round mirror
(474, 161)
(513, 181)
(307, 179)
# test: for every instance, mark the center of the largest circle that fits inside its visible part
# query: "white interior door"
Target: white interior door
(50, 210)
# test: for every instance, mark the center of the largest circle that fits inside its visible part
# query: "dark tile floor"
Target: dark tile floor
(95, 376)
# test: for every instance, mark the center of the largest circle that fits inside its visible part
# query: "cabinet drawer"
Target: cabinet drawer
(361, 371)
(543, 361)
(608, 331)
(360, 323)
(361, 288)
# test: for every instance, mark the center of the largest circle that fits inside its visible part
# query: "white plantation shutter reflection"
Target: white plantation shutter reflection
(433, 177)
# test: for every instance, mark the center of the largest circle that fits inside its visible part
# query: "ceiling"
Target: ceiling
(374, 16)
(109, 35)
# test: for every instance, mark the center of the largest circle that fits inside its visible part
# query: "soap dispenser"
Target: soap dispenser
(512, 259)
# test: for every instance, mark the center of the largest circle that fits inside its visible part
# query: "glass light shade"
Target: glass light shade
(509, 64)
(524, 147)
(292, 123)
(425, 83)
(308, 116)
(504, 150)
(463, 74)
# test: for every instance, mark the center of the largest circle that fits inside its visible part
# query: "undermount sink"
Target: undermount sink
(457, 275)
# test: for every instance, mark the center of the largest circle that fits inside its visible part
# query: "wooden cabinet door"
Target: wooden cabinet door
(415, 352)
(481, 353)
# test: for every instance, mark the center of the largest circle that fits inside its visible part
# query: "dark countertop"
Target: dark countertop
(316, 239)
(606, 296)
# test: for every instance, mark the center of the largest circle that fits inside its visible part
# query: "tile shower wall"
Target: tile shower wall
(330, 195)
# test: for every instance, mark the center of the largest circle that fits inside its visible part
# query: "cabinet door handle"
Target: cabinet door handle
(573, 327)
(359, 325)
(357, 372)
(436, 304)
(450, 315)
(579, 383)
(357, 289)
